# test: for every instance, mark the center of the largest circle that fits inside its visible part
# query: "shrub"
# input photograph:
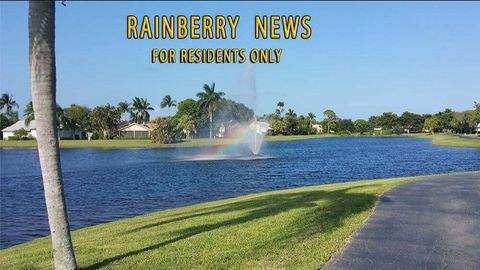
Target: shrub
(20, 134)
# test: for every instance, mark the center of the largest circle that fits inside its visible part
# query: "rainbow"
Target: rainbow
(238, 144)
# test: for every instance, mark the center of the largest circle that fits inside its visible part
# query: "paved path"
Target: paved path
(431, 224)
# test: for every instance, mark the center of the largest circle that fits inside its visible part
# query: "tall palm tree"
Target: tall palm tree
(290, 113)
(6, 101)
(62, 120)
(41, 30)
(124, 107)
(311, 117)
(280, 106)
(167, 101)
(28, 113)
(140, 110)
(208, 100)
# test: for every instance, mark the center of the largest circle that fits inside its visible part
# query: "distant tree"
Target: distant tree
(330, 119)
(229, 110)
(167, 130)
(476, 114)
(431, 124)
(79, 118)
(361, 126)
(290, 113)
(412, 121)
(280, 108)
(28, 113)
(445, 119)
(168, 102)
(311, 117)
(186, 123)
(62, 120)
(7, 102)
(279, 126)
(208, 100)
(124, 108)
(105, 119)
(345, 125)
(463, 122)
(388, 120)
(192, 108)
(139, 112)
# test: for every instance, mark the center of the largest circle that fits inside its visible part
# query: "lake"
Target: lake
(106, 185)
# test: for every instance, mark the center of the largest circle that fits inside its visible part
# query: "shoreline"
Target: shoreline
(230, 226)
(436, 139)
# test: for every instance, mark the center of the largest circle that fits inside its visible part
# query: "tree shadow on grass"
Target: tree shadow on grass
(336, 206)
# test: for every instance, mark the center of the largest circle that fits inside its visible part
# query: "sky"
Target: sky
(361, 60)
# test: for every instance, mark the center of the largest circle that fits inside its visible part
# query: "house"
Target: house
(318, 128)
(31, 128)
(478, 128)
(233, 129)
(134, 130)
(229, 129)
(9, 131)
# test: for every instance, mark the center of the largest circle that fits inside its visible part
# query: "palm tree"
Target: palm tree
(311, 117)
(124, 107)
(28, 113)
(6, 101)
(290, 113)
(280, 106)
(62, 120)
(167, 101)
(139, 113)
(208, 100)
(41, 29)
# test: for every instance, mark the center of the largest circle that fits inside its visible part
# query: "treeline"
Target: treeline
(289, 123)
(200, 117)
(204, 115)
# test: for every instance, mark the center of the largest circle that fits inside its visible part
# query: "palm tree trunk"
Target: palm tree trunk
(211, 123)
(41, 28)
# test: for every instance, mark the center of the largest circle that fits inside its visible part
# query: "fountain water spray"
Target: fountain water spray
(248, 137)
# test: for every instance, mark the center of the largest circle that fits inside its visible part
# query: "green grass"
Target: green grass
(290, 229)
(144, 143)
(452, 140)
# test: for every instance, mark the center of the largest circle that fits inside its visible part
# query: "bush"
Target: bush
(20, 134)
(343, 133)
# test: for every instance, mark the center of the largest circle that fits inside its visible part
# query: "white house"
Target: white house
(32, 131)
(318, 128)
(10, 130)
(134, 130)
(478, 128)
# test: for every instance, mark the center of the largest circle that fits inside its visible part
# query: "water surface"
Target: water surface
(105, 185)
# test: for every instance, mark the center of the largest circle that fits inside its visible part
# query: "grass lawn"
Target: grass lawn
(144, 143)
(290, 229)
(452, 140)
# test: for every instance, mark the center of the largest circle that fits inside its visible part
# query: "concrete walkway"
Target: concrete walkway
(431, 224)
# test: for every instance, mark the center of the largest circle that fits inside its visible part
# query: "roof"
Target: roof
(134, 127)
(19, 125)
